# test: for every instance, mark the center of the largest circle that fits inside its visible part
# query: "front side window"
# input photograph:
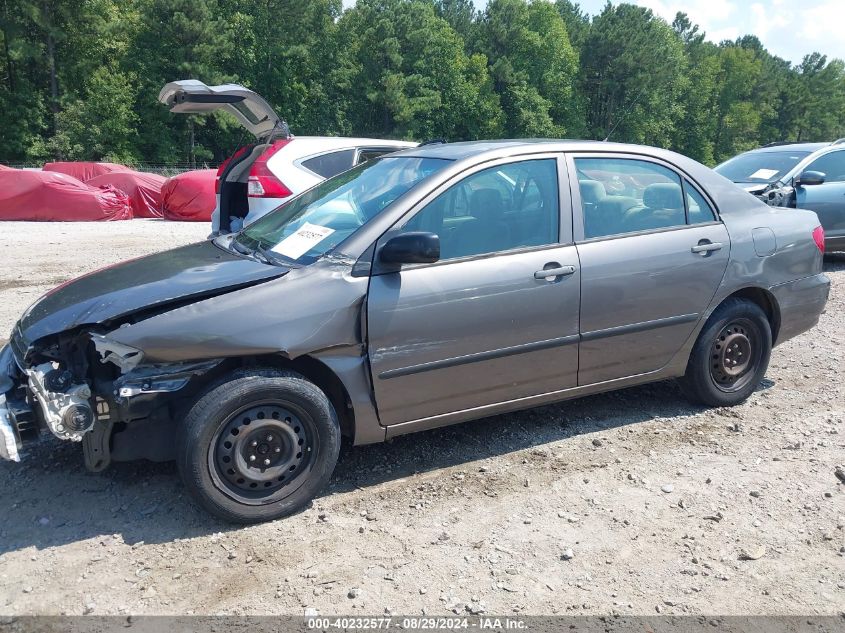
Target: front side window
(832, 165)
(621, 195)
(312, 224)
(497, 209)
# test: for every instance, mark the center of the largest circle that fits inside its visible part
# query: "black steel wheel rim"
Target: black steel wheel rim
(735, 355)
(263, 452)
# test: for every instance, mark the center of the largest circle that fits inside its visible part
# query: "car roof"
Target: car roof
(466, 149)
(792, 147)
(333, 142)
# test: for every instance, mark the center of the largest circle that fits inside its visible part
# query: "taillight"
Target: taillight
(240, 152)
(262, 182)
(818, 238)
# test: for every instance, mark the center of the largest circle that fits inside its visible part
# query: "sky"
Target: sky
(787, 28)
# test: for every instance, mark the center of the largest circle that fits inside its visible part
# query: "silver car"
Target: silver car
(798, 175)
(436, 285)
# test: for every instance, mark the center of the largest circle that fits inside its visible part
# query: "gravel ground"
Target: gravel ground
(633, 502)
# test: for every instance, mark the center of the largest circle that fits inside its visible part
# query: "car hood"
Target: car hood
(152, 283)
(754, 187)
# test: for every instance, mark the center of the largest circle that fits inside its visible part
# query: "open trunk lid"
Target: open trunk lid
(191, 96)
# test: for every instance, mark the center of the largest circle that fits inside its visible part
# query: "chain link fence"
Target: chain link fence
(153, 168)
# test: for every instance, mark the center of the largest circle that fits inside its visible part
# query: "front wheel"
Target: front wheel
(259, 446)
(730, 357)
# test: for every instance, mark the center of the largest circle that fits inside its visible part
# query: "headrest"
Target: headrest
(591, 191)
(487, 204)
(663, 195)
(616, 206)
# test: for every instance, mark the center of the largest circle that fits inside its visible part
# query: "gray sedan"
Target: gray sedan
(435, 285)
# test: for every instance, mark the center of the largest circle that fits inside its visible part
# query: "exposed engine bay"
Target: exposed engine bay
(85, 388)
(64, 406)
(776, 194)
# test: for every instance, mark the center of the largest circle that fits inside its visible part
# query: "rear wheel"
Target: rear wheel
(731, 355)
(259, 446)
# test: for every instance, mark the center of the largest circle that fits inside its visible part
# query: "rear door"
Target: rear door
(483, 325)
(652, 251)
(190, 96)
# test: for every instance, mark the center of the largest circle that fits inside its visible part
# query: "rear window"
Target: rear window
(760, 166)
(331, 164)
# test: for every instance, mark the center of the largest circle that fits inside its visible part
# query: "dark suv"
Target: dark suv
(803, 175)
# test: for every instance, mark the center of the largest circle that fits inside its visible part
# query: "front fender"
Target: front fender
(309, 309)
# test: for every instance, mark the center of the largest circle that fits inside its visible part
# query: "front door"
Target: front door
(483, 325)
(652, 253)
(828, 198)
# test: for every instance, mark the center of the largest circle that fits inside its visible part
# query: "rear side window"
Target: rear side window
(331, 164)
(620, 195)
(699, 211)
(832, 165)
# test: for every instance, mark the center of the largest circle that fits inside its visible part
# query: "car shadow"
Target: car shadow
(50, 499)
(834, 262)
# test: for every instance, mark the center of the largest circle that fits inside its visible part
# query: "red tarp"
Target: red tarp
(83, 171)
(190, 196)
(144, 190)
(50, 196)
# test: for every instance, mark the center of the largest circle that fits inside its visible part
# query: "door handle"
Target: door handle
(560, 271)
(706, 246)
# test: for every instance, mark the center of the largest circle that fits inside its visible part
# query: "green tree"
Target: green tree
(820, 99)
(577, 21)
(534, 68)
(461, 16)
(408, 75)
(84, 131)
(179, 39)
(694, 133)
(633, 76)
(737, 117)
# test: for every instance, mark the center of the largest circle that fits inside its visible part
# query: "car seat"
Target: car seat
(488, 231)
(663, 206)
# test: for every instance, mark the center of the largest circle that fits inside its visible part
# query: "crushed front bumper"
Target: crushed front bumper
(10, 439)
(10, 443)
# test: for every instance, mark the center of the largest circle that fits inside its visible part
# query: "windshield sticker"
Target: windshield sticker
(764, 174)
(303, 240)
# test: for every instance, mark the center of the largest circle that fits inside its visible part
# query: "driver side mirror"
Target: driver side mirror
(416, 247)
(809, 178)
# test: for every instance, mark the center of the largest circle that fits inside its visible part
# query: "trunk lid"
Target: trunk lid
(191, 96)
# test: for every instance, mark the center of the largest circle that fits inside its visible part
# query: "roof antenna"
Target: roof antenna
(624, 114)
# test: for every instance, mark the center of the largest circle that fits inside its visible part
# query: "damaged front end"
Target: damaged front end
(774, 194)
(84, 387)
(64, 374)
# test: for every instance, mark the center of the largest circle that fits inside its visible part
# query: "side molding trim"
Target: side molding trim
(532, 347)
(480, 356)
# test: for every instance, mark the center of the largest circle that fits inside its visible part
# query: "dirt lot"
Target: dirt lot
(633, 502)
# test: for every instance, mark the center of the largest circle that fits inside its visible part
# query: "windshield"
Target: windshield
(760, 166)
(311, 225)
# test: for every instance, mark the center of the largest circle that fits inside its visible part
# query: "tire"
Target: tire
(258, 446)
(730, 357)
